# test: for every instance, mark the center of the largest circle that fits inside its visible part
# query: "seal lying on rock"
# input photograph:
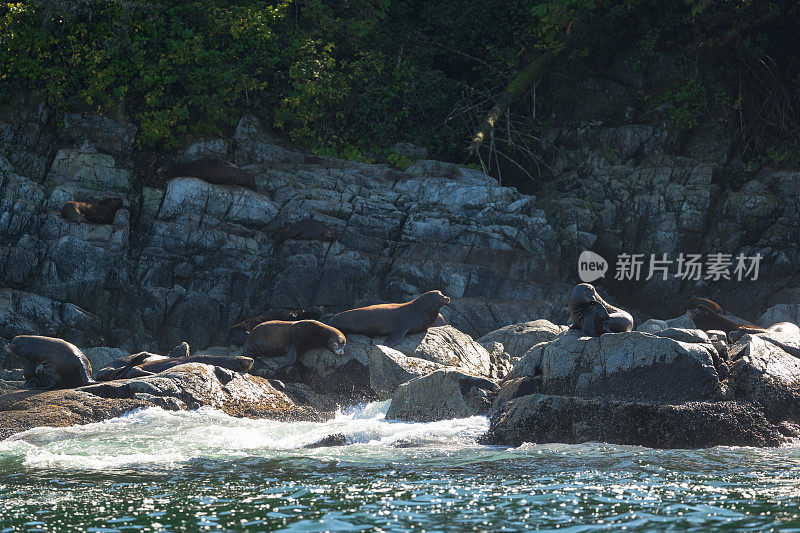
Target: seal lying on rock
(706, 319)
(308, 229)
(51, 363)
(696, 301)
(147, 364)
(215, 171)
(280, 338)
(238, 333)
(102, 213)
(593, 315)
(394, 321)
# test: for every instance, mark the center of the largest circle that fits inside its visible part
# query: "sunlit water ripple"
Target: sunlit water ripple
(158, 470)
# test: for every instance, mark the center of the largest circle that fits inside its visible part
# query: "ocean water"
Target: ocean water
(154, 470)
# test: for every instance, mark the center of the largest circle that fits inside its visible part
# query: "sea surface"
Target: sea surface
(154, 470)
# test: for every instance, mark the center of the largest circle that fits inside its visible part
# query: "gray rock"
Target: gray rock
(632, 365)
(389, 368)
(105, 134)
(441, 395)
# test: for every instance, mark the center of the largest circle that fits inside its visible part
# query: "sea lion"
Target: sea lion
(593, 315)
(440, 321)
(121, 367)
(51, 363)
(279, 338)
(394, 321)
(101, 213)
(215, 171)
(238, 333)
(308, 229)
(147, 364)
(706, 319)
(696, 301)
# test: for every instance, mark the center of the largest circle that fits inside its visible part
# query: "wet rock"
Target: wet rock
(441, 395)
(186, 386)
(336, 439)
(542, 418)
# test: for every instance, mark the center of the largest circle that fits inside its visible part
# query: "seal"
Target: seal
(593, 315)
(394, 321)
(102, 213)
(238, 333)
(217, 171)
(308, 229)
(148, 364)
(440, 321)
(696, 301)
(706, 319)
(281, 338)
(51, 363)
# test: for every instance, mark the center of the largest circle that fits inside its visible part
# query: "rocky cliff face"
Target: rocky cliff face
(185, 260)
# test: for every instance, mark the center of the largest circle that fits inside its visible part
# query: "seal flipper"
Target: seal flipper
(291, 358)
(395, 338)
(136, 372)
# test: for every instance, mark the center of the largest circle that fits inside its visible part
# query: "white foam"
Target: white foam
(168, 439)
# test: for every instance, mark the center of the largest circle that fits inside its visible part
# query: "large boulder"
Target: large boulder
(764, 374)
(632, 365)
(542, 418)
(442, 395)
(515, 341)
(186, 386)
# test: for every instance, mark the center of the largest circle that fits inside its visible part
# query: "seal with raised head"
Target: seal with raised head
(394, 321)
(280, 338)
(308, 229)
(51, 363)
(593, 315)
(238, 333)
(217, 171)
(100, 213)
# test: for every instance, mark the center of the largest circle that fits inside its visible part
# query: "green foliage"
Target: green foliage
(350, 78)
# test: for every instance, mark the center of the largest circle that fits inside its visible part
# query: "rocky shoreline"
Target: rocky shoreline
(538, 382)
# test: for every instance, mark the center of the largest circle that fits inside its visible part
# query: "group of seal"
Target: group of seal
(100, 213)
(593, 315)
(51, 363)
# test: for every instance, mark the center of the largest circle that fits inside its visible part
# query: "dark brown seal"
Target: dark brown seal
(394, 321)
(280, 338)
(216, 171)
(51, 363)
(696, 301)
(147, 364)
(102, 213)
(238, 333)
(593, 315)
(706, 319)
(308, 229)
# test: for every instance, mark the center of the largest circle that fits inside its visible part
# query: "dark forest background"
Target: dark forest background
(472, 82)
